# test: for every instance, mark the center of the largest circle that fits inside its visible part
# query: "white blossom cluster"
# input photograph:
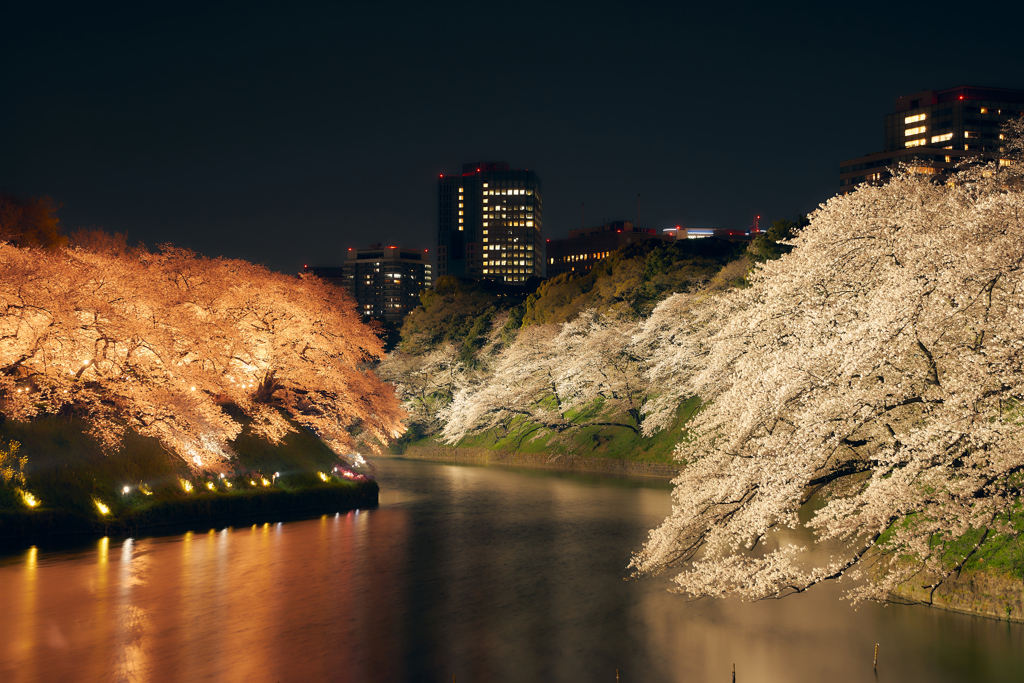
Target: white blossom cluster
(888, 350)
(881, 363)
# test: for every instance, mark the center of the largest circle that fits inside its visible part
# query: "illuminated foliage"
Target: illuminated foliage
(12, 467)
(881, 359)
(161, 343)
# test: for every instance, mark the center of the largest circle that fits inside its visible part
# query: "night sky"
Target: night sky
(284, 135)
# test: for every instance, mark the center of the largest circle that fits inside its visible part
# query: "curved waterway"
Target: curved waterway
(482, 574)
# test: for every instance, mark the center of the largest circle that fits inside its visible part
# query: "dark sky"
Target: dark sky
(284, 135)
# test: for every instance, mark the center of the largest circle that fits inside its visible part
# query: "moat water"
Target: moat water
(477, 573)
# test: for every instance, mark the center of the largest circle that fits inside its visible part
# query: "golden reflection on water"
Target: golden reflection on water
(497, 577)
(22, 641)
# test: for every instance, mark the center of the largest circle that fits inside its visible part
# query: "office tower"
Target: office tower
(384, 281)
(489, 223)
(935, 130)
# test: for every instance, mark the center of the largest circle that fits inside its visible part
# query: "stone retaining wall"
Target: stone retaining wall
(568, 463)
(986, 593)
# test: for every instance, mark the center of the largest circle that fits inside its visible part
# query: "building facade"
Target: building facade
(586, 246)
(384, 281)
(489, 223)
(935, 130)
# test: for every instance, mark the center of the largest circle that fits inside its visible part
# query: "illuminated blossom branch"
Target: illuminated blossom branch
(882, 359)
(161, 343)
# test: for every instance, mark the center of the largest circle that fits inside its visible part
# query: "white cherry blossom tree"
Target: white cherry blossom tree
(882, 359)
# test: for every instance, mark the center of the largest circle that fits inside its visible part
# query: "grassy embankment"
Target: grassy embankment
(70, 477)
(990, 581)
(586, 447)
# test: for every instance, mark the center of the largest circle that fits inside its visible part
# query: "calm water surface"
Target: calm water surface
(484, 574)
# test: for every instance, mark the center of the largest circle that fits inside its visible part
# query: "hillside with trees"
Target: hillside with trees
(869, 359)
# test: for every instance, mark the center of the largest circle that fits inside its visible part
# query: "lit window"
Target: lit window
(460, 203)
(914, 131)
(529, 224)
(460, 213)
(914, 119)
(972, 134)
(486, 184)
(1002, 136)
(916, 143)
(984, 110)
(1005, 162)
(942, 138)
(460, 190)
(949, 159)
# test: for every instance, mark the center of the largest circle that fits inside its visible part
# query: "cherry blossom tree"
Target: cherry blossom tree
(581, 373)
(162, 343)
(425, 383)
(882, 363)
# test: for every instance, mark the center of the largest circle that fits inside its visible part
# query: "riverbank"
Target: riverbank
(981, 592)
(606, 446)
(566, 462)
(61, 483)
(216, 509)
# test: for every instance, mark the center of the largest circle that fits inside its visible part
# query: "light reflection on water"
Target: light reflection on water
(486, 574)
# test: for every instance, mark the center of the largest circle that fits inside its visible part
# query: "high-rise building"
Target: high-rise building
(384, 281)
(489, 223)
(935, 130)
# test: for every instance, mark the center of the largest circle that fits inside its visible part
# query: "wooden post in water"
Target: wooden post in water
(616, 676)
(876, 656)
(734, 672)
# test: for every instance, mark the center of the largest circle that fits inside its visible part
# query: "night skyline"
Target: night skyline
(285, 136)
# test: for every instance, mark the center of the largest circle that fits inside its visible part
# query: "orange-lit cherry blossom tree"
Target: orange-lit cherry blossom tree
(162, 342)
